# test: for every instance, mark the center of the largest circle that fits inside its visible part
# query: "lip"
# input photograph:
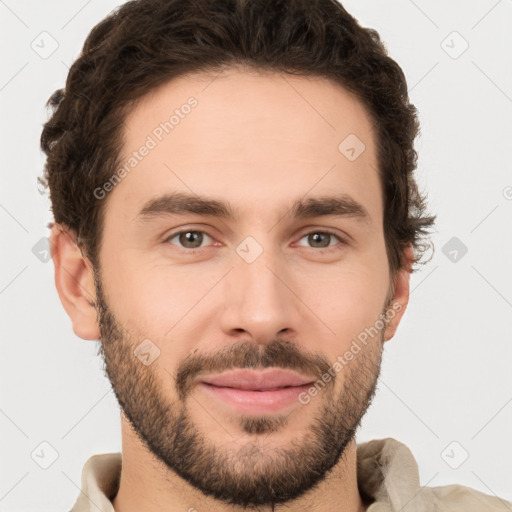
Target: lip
(257, 380)
(256, 391)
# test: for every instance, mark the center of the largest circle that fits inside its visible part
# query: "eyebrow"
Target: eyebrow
(180, 203)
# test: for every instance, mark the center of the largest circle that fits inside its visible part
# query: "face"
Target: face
(227, 318)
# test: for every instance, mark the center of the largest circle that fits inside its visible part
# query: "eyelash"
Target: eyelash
(322, 250)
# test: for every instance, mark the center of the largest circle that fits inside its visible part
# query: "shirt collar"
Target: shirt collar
(388, 474)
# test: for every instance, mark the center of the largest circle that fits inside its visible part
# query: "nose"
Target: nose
(260, 300)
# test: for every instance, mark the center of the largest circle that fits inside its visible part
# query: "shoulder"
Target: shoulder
(387, 474)
(459, 497)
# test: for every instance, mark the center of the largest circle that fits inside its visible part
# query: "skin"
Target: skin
(251, 136)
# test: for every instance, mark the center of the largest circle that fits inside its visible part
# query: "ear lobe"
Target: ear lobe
(401, 294)
(74, 280)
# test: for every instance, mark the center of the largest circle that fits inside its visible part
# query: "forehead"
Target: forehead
(247, 136)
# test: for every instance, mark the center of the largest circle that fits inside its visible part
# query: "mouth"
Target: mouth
(256, 391)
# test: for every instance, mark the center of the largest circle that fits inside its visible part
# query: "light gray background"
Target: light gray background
(446, 375)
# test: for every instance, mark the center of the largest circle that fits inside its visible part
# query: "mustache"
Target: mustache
(244, 355)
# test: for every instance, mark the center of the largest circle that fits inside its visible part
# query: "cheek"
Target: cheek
(347, 305)
(156, 305)
(170, 306)
(155, 309)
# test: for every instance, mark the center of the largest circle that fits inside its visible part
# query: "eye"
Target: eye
(193, 240)
(322, 239)
(189, 239)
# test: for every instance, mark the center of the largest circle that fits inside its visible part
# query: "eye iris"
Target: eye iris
(314, 237)
(188, 236)
(193, 239)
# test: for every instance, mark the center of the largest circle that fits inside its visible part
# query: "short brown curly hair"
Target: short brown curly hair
(145, 43)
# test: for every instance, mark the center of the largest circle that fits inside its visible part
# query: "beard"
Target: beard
(250, 475)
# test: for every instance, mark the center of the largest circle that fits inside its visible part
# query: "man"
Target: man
(236, 220)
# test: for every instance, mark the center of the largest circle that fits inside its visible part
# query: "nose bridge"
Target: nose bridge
(257, 298)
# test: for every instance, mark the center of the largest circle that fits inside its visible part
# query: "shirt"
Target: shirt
(387, 474)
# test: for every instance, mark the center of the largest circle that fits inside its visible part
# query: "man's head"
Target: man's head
(198, 154)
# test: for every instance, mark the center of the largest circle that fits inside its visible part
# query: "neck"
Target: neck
(148, 484)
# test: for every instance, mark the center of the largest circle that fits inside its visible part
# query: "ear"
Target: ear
(74, 280)
(400, 298)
